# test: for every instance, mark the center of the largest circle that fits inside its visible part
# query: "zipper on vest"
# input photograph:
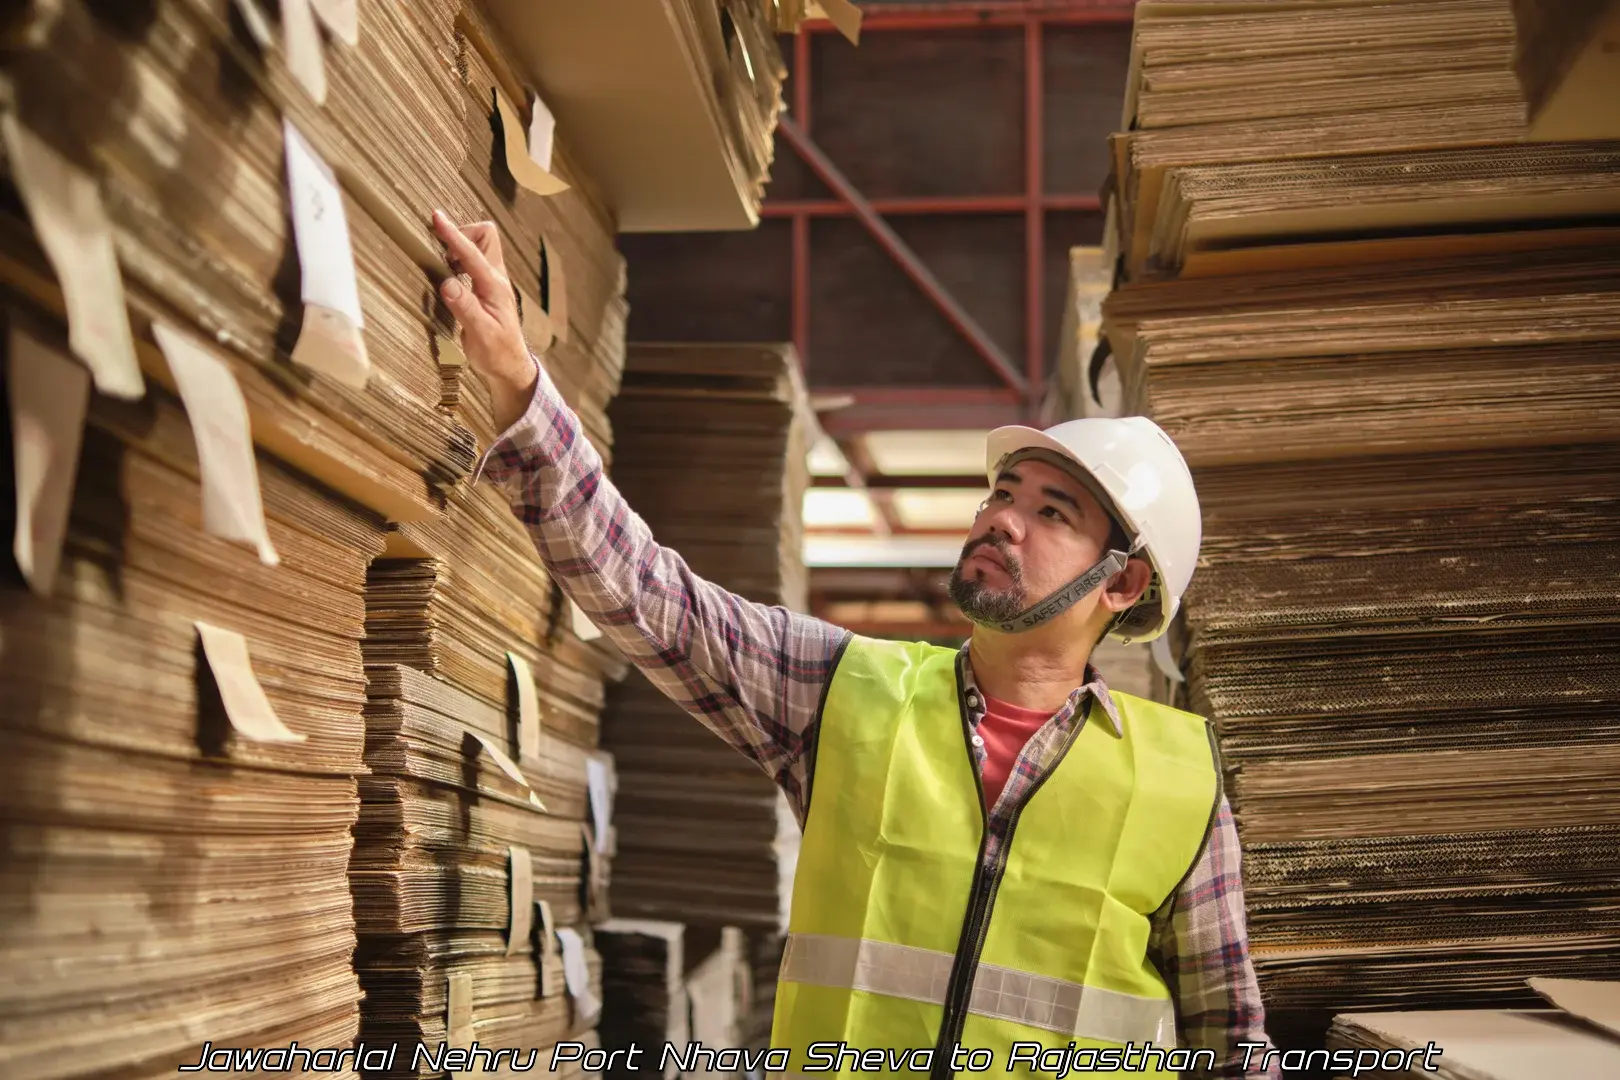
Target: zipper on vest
(981, 898)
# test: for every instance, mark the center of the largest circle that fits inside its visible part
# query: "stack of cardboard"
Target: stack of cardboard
(712, 454)
(644, 1002)
(486, 835)
(1576, 1038)
(183, 716)
(1378, 328)
(1566, 59)
(210, 776)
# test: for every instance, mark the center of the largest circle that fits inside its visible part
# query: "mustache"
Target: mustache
(1001, 547)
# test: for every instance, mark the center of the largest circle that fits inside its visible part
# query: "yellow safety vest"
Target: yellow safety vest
(903, 939)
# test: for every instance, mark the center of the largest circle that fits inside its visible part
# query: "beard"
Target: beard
(979, 602)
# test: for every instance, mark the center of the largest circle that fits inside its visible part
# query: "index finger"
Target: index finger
(485, 282)
(488, 238)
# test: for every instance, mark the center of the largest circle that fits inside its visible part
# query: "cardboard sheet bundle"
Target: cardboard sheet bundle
(676, 996)
(467, 872)
(1574, 1033)
(1328, 120)
(256, 193)
(1380, 329)
(183, 716)
(712, 455)
(195, 164)
(556, 242)
(483, 858)
(644, 1002)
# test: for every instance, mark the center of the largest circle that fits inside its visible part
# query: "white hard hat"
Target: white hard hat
(1147, 486)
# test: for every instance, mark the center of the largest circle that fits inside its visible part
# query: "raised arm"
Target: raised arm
(752, 673)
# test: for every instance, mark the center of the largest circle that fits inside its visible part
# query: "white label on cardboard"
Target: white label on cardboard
(507, 766)
(548, 928)
(342, 17)
(330, 340)
(71, 222)
(232, 505)
(458, 1018)
(515, 150)
(599, 783)
(538, 330)
(257, 23)
(542, 131)
(528, 707)
(50, 395)
(583, 627)
(577, 974)
(246, 705)
(305, 59)
(521, 897)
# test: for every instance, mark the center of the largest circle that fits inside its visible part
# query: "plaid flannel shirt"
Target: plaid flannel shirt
(753, 674)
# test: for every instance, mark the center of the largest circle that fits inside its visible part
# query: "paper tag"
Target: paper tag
(507, 766)
(524, 169)
(232, 505)
(556, 292)
(583, 628)
(577, 975)
(246, 705)
(305, 59)
(71, 222)
(521, 896)
(257, 23)
(458, 1013)
(596, 897)
(538, 330)
(548, 928)
(599, 784)
(845, 16)
(528, 707)
(542, 130)
(330, 340)
(450, 354)
(342, 17)
(50, 394)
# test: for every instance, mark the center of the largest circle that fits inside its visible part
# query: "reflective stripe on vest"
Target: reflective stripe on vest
(905, 933)
(1071, 1009)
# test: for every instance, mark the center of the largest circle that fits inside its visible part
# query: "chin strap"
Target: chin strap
(1061, 600)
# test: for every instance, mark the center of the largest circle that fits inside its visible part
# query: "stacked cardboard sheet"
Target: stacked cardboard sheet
(1403, 428)
(1578, 1038)
(485, 691)
(1565, 60)
(1275, 98)
(268, 188)
(183, 723)
(195, 143)
(644, 1002)
(712, 454)
(557, 247)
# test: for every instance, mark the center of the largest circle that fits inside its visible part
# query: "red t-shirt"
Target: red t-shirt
(1005, 729)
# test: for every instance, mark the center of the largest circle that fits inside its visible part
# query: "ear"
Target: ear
(1126, 587)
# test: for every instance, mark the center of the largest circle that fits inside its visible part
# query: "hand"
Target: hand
(491, 330)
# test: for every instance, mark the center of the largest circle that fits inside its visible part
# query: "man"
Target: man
(999, 853)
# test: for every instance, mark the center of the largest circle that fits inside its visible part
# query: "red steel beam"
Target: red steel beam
(967, 16)
(894, 482)
(801, 221)
(901, 252)
(1034, 221)
(920, 416)
(892, 394)
(932, 204)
